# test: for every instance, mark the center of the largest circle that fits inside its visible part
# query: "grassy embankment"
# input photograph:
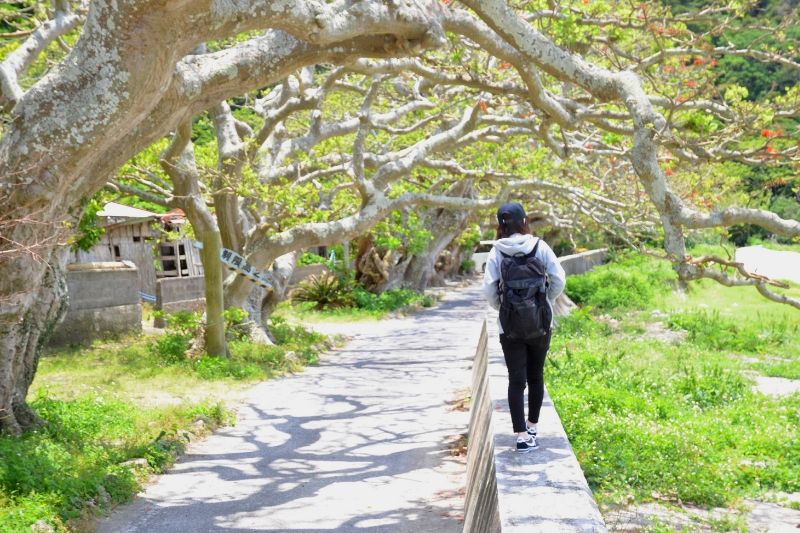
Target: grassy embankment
(656, 389)
(137, 399)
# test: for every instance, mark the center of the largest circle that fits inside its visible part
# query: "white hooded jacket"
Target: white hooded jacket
(522, 244)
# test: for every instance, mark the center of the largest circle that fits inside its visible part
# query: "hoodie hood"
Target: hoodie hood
(516, 244)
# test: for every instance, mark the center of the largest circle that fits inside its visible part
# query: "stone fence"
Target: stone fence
(583, 262)
(103, 302)
(179, 294)
(537, 492)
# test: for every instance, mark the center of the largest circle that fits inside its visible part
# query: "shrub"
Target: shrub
(326, 291)
(310, 259)
(388, 301)
(184, 323)
(631, 282)
(181, 328)
(287, 334)
(209, 367)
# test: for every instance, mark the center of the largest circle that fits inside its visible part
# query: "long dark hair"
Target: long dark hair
(508, 227)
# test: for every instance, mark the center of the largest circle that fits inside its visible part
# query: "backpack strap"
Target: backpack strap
(536, 247)
(532, 253)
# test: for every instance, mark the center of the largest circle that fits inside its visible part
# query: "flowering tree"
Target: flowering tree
(614, 114)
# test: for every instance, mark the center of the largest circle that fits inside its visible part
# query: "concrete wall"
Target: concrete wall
(481, 514)
(583, 262)
(103, 301)
(179, 294)
(540, 491)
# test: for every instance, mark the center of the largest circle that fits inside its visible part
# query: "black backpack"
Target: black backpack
(524, 311)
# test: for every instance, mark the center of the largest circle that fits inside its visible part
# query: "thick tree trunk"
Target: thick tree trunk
(260, 303)
(215, 302)
(179, 162)
(395, 278)
(445, 226)
(21, 337)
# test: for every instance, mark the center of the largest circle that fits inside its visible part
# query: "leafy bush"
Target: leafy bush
(181, 328)
(310, 259)
(236, 325)
(326, 291)
(171, 348)
(631, 282)
(184, 323)
(210, 367)
(246, 361)
(388, 301)
(234, 316)
(467, 266)
(291, 335)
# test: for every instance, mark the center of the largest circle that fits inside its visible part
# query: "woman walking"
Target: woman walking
(525, 343)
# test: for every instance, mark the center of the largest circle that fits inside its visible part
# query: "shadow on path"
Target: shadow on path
(358, 443)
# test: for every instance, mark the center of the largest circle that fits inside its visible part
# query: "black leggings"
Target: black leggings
(525, 362)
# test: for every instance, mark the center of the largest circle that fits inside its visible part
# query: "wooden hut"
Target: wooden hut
(136, 235)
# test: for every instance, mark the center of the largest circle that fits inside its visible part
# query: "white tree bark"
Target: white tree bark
(125, 84)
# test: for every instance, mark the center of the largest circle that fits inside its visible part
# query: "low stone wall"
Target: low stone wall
(103, 302)
(540, 491)
(480, 502)
(583, 262)
(179, 294)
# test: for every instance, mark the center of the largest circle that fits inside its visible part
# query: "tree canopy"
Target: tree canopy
(279, 127)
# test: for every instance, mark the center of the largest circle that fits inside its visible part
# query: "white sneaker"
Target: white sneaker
(526, 445)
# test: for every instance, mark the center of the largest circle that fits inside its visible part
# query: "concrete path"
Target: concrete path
(358, 443)
(771, 263)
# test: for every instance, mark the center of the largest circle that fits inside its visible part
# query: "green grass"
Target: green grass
(134, 398)
(682, 420)
(75, 461)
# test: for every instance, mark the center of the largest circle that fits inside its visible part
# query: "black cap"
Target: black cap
(511, 211)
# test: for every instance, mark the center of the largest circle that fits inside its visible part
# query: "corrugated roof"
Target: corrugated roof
(115, 210)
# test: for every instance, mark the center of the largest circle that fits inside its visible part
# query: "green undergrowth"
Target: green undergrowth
(631, 281)
(294, 348)
(137, 398)
(656, 390)
(76, 462)
(352, 302)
